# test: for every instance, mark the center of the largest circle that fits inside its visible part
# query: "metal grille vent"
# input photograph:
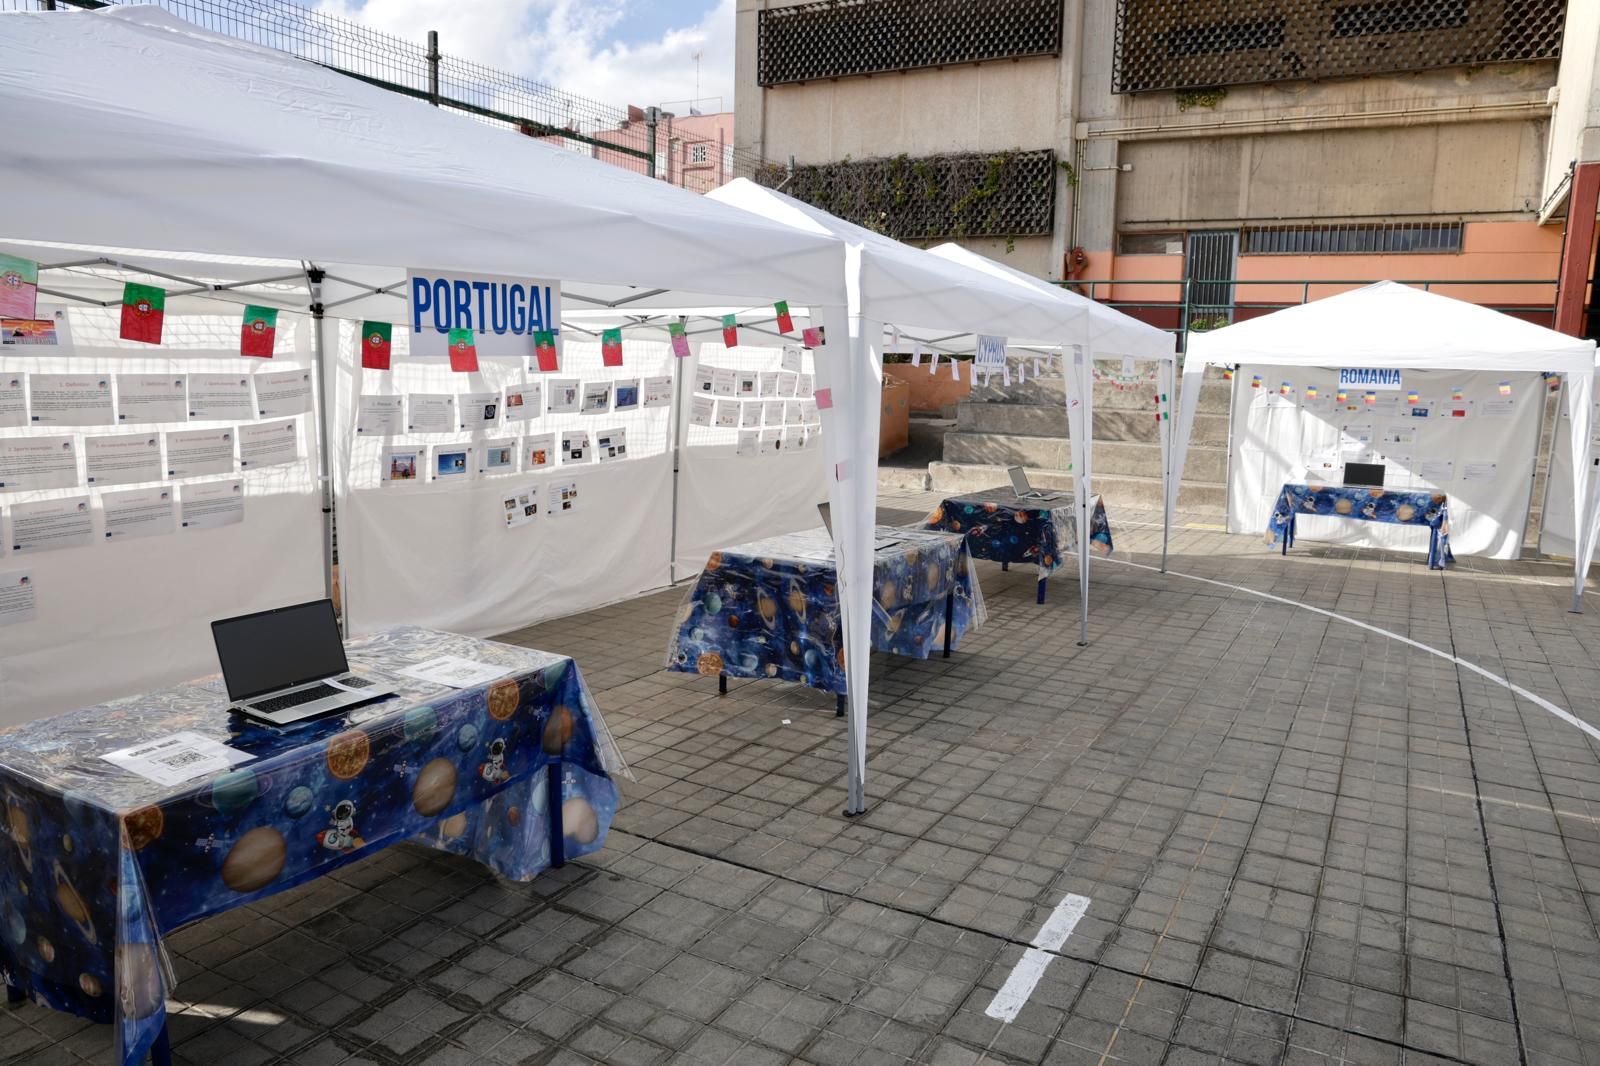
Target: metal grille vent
(1393, 238)
(1196, 44)
(974, 194)
(841, 38)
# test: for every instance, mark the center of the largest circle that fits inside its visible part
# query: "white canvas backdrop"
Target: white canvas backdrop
(1556, 528)
(129, 616)
(725, 498)
(1278, 439)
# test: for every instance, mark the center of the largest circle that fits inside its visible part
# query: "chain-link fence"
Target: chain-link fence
(694, 151)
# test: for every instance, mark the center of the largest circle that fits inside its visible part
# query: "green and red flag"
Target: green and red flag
(376, 341)
(144, 309)
(544, 350)
(463, 351)
(785, 323)
(258, 331)
(19, 287)
(730, 331)
(611, 347)
(680, 339)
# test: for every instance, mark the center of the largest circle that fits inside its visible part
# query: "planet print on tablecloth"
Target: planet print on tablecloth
(47, 950)
(467, 737)
(557, 730)
(713, 603)
(434, 787)
(234, 792)
(72, 904)
(144, 826)
(139, 979)
(709, 664)
(255, 860)
(579, 821)
(21, 835)
(91, 985)
(348, 754)
(14, 929)
(420, 724)
(453, 827)
(298, 804)
(504, 696)
(1405, 512)
(1343, 506)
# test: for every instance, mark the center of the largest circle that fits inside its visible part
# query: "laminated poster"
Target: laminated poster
(521, 508)
(563, 496)
(724, 382)
(138, 513)
(283, 392)
(431, 412)
(220, 397)
(70, 400)
(575, 446)
(700, 410)
(477, 410)
(38, 463)
(452, 462)
(197, 452)
(728, 414)
(658, 392)
(626, 395)
(269, 444)
(145, 398)
(380, 416)
(565, 395)
(540, 451)
(212, 505)
(18, 597)
(611, 444)
(749, 443)
(496, 457)
(124, 459)
(523, 402)
(596, 397)
(13, 401)
(402, 466)
(48, 525)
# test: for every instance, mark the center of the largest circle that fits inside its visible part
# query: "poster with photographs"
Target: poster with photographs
(521, 508)
(522, 402)
(745, 384)
(402, 466)
(496, 457)
(728, 414)
(704, 377)
(539, 452)
(430, 412)
(563, 496)
(610, 444)
(700, 410)
(565, 395)
(478, 410)
(626, 396)
(575, 446)
(452, 462)
(596, 397)
(658, 392)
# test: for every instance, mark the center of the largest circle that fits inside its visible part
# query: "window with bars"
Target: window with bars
(1395, 238)
(841, 38)
(1200, 44)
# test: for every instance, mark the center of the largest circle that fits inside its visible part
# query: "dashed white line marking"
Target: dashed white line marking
(1014, 994)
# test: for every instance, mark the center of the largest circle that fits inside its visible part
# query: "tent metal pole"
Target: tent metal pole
(319, 359)
(1169, 393)
(675, 422)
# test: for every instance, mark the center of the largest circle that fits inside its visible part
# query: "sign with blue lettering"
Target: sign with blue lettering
(1370, 377)
(505, 313)
(991, 351)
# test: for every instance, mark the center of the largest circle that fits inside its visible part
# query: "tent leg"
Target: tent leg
(838, 711)
(1577, 601)
(319, 359)
(1042, 583)
(722, 684)
(558, 833)
(1164, 548)
(161, 1050)
(949, 620)
(1005, 567)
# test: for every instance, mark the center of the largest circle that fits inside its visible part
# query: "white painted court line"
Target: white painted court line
(1013, 995)
(1533, 698)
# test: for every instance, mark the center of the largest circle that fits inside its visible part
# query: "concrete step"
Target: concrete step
(1119, 491)
(1204, 463)
(1041, 420)
(903, 478)
(1052, 391)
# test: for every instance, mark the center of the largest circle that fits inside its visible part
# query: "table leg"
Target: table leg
(161, 1050)
(722, 684)
(949, 620)
(1005, 567)
(838, 711)
(558, 836)
(1042, 582)
(14, 994)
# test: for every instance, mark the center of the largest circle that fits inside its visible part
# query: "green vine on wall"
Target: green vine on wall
(1208, 98)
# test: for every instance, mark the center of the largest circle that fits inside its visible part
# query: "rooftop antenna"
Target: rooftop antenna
(697, 57)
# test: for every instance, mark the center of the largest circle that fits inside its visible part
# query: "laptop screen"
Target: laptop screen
(1369, 475)
(1019, 480)
(276, 649)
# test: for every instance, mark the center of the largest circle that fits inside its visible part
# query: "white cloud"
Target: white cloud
(569, 44)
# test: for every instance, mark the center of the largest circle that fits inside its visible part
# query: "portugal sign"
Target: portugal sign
(504, 313)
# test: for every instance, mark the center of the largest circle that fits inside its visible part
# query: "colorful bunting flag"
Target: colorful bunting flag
(1255, 381)
(730, 331)
(258, 331)
(680, 340)
(1285, 389)
(824, 398)
(812, 337)
(1505, 388)
(785, 323)
(1456, 395)
(144, 309)
(1413, 397)
(376, 345)
(19, 287)
(544, 350)
(1371, 398)
(463, 351)
(611, 346)
(1227, 373)
(1311, 392)
(1341, 396)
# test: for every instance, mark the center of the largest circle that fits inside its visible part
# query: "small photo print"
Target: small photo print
(627, 396)
(401, 465)
(449, 463)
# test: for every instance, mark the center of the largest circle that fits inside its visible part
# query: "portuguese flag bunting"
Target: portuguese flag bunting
(144, 308)
(259, 330)
(376, 338)
(680, 340)
(463, 351)
(544, 349)
(730, 331)
(19, 287)
(785, 323)
(611, 347)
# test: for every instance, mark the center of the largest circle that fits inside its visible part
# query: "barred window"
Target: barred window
(1396, 238)
(1203, 44)
(841, 38)
(1149, 244)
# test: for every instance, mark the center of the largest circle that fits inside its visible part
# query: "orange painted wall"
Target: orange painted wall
(931, 393)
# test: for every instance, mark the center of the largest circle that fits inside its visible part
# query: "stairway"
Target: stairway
(1026, 425)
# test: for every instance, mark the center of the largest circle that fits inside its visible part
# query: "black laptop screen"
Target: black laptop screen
(280, 648)
(1367, 474)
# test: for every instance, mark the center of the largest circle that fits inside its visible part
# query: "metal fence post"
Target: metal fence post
(652, 119)
(433, 67)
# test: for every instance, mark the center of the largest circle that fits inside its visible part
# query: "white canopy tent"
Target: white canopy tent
(134, 130)
(1112, 334)
(891, 282)
(1393, 326)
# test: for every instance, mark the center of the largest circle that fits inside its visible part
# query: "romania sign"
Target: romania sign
(1370, 377)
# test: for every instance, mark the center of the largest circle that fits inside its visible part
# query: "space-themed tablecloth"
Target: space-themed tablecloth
(770, 608)
(97, 863)
(1429, 509)
(1003, 528)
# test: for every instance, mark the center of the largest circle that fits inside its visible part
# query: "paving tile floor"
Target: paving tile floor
(1312, 837)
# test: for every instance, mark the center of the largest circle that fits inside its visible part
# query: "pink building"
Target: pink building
(692, 151)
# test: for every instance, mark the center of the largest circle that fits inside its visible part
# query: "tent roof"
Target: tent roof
(132, 128)
(911, 288)
(1110, 331)
(1393, 325)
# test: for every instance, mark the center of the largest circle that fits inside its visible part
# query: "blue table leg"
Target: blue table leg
(558, 836)
(838, 711)
(949, 620)
(161, 1050)
(14, 994)
(1042, 582)
(722, 684)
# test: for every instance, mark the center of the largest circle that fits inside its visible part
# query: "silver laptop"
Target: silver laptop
(288, 664)
(1025, 491)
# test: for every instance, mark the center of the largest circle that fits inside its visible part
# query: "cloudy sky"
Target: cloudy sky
(616, 51)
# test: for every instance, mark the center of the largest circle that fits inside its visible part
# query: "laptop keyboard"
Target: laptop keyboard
(295, 699)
